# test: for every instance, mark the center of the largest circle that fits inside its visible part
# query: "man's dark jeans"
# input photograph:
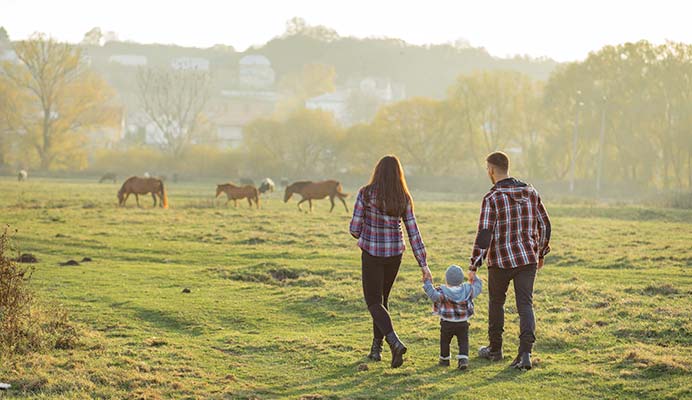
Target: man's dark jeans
(498, 282)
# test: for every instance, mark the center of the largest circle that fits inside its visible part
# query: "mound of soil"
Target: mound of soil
(255, 240)
(86, 259)
(281, 274)
(187, 290)
(69, 263)
(26, 258)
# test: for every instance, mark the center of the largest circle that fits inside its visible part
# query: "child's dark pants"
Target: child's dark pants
(450, 329)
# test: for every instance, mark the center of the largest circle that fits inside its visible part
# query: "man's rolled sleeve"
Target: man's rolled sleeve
(486, 223)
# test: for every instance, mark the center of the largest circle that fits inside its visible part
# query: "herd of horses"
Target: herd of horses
(308, 190)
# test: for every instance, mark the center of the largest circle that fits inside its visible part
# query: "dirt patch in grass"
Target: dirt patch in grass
(272, 274)
(26, 258)
(657, 364)
(665, 289)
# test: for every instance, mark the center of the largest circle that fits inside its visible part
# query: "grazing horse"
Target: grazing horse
(234, 193)
(22, 175)
(316, 190)
(136, 185)
(267, 185)
(108, 176)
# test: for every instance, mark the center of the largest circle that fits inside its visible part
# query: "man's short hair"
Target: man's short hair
(499, 159)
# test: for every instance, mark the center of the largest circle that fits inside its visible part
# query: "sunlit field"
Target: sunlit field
(275, 308)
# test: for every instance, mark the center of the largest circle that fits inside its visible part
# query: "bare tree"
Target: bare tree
(174, 100)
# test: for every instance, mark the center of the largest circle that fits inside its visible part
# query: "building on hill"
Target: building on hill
(197, 63)
(359, 99)
(255, 72)
(129, 60)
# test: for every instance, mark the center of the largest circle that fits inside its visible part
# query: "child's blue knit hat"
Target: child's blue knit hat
(454, 275)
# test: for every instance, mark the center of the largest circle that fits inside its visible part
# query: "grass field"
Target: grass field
(276, 311)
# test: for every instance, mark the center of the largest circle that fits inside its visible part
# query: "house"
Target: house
(196, 63)
(255, 72)
(381, 91)
(335, 102)
(128, 60)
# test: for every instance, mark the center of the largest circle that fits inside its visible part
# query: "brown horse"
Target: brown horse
(315, 191)
(136, 185)
(234, 193)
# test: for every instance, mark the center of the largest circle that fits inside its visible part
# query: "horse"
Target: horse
(136, 185)
(22, 175)
(267, 185)
(108, 176)
(316, 190)
(234, 192)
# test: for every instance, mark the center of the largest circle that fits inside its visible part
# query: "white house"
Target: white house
(129, 60)
(255, 71)
(335, 102)
(197, 63)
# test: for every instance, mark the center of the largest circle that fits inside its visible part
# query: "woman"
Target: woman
(380, 207)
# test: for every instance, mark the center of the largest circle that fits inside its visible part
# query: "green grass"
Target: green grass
(276, 311)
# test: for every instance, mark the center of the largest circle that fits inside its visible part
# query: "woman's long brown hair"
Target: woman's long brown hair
(389, 185)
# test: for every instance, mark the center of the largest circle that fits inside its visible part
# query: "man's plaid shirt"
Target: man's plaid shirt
(380, 234)
(514, 227)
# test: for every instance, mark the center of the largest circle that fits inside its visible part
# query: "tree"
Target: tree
(4, 37)
(416, 131)
(59, 100)
(305, 144)
(93, 37)
(312, 80)
(174, 100)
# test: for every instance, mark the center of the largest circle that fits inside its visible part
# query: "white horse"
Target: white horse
(267, 185)
(22, 175)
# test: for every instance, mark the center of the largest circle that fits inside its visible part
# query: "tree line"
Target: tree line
(622, 116)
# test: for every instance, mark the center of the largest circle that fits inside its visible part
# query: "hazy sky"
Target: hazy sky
(563, 30)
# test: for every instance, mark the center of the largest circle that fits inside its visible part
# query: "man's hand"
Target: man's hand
(426, 274)
(472, 276)
(540, 264)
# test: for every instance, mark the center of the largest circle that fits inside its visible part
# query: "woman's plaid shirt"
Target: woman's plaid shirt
(380, 234)
(514, 227)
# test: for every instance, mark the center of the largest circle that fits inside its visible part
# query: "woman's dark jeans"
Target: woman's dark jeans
(379, 274)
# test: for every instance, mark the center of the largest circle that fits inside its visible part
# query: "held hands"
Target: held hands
(472, 276)
(427, 275)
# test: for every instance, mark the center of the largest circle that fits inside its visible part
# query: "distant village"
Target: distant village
(243, 91)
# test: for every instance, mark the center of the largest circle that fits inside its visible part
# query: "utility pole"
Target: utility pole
(577, 107)
(599, 172)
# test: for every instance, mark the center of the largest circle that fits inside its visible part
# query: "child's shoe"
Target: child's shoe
(463, 362)
(444, 362)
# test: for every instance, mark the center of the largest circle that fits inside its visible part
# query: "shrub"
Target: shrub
(26, 325)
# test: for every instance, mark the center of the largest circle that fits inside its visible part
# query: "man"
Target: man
(514, 234)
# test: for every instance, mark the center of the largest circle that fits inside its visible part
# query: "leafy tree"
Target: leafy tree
(304, 144)
(59, 101)
(413, 129)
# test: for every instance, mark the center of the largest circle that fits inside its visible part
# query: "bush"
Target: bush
(25, 325)
(198, 160)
